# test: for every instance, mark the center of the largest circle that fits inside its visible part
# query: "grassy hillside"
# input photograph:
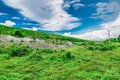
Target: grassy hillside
(40, 35)
(87, 60)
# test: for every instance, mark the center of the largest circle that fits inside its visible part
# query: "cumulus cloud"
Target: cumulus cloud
(93, 35)
(67, 34)
(3, 14)
(107, 11)
(49, 13)
(33, 29)
(113, 26)
(8, 23)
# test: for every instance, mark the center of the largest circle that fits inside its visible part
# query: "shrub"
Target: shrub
(62, 50)
(106, 47)
(102, 47)
(86, 58)
(18, 51)
(36, 55)
(91, 48)
(2, 48)
(68, 56)
(53, 58)
(47, 51)
(119, 38)
(12, 40)
(18, 33)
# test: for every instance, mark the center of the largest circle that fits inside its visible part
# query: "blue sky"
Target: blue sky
(87, 19)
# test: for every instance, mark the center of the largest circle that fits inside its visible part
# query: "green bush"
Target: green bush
(91, 47)
(18, 51)
(68, 56)
(102, 47)
(106, 47)
(18, 33)
(35, 55)
(119, 38)
(53, 57)
(47, 51)
(2, 48)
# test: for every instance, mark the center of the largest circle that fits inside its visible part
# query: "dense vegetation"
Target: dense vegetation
(87, 60)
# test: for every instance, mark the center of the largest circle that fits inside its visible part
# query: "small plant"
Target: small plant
(47, 51)
(53, 58)
(12, 40)
(22, 41)
(2, 48)
(68, 56)
(35, 55)
(119, 38)
(91, 48)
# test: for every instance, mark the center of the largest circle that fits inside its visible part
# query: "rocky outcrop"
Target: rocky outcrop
(34, 43)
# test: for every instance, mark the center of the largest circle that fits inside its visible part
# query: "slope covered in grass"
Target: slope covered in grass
(77, 63)
(87, 60)
(33, 34)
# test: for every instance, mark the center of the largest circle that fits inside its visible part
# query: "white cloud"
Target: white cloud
(3, 14)
(114, 26)
(78, 5)
(8, 23)
(16, 18)
(49, 13)
(101, 34)
(93, 35)
(33, 29)
(107, 11)
(67, 34)
(74, 3)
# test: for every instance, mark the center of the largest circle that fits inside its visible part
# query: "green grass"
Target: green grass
(87, 60)
(77, 63)
(40, 35)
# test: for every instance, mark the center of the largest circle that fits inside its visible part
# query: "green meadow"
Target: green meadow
(85, 60)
